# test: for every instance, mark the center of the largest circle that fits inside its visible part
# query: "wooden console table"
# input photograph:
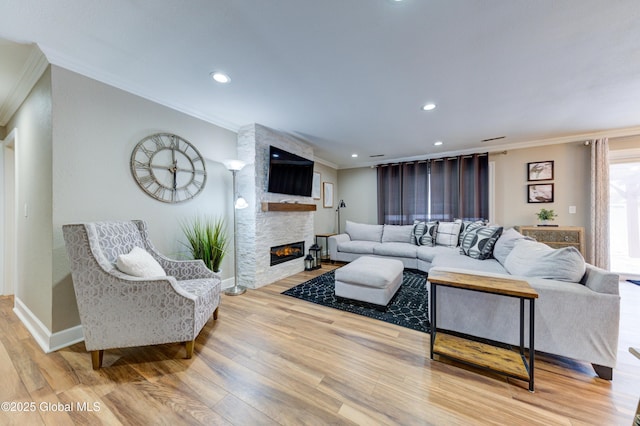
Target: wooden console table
(556, 236)
(501, 360)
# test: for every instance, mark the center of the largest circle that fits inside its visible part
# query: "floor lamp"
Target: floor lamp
(341, 205)
(238, 203)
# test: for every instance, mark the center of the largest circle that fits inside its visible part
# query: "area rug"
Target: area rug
(408, 308)
(636, 282)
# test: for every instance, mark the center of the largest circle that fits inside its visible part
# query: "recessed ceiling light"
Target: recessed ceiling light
(428, 107)
(437, 143)
(354, 155)
(220, 77)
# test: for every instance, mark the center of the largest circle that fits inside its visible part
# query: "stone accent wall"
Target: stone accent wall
(258, 231)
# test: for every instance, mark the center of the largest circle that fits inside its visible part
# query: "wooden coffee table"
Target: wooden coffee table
(498, 359)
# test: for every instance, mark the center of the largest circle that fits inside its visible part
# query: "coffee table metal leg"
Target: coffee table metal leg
(432, 313)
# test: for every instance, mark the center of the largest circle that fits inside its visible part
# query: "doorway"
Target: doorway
(8, 216)
(624, 208)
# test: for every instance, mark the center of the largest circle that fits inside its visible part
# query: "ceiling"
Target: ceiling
(350, 76)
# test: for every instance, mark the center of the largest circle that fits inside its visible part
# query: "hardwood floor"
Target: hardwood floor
(273, 359)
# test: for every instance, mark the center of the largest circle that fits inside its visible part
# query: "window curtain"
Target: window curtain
(443, 189)
(599, 242)
(403, 193)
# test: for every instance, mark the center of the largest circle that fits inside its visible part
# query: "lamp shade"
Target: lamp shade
(233, 164)
(241, 203)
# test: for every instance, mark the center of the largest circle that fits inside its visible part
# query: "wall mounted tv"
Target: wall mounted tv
(289, 173)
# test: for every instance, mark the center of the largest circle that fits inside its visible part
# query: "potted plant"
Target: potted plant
(545, 216)
(207, 240)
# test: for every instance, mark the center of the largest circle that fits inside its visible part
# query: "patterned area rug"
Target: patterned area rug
(636, 282)
(408, 308)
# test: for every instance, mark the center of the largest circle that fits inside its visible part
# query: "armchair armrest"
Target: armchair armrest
(333, 244)
(184, 269)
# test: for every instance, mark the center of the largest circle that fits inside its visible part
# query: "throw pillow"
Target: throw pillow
(448, 233)
(397, 234)
(533, 259)
(429, 237)
(465, 226)
(140, 263)
(478, 241)
(419, 228)
(505, 244)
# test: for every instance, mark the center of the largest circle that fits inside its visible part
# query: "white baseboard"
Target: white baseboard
(47, 341)
(228, 283)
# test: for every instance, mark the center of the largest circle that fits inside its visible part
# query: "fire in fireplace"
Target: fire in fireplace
(286, 252)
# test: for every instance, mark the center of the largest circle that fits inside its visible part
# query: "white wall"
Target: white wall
(33, 197)
(324, 220)
(359, 190)
(95, 129)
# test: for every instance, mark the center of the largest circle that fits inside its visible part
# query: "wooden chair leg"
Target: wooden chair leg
(190, 345)
(215, 313)
(96, 359)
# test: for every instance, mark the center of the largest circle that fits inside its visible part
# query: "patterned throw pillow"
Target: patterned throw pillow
(465, 227)
(419, 229)
(429, 237)
(478, 242)
(448, 233)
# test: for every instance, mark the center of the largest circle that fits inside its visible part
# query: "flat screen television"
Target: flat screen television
(289, 173)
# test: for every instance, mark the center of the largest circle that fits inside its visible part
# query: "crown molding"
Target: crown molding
(579, 137)
(34, 67)
(66, 62)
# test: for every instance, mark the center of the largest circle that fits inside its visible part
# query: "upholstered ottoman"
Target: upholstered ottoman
(369, 279)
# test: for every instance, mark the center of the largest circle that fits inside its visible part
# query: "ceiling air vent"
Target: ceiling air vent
(493, 139)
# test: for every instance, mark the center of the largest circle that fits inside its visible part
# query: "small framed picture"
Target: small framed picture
(540, 193)
(327, 192)
(541, 170)
(315, 189)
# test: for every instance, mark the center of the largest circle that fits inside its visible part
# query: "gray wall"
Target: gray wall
(359, 189)
(325, 219)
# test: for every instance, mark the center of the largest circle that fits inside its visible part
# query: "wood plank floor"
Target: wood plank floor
(272, 359)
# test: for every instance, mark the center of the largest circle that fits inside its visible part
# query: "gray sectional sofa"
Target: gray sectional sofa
(577, 312)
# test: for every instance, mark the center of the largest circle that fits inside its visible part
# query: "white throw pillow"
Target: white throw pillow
(448, 233)
(533, 259)
(140, 263)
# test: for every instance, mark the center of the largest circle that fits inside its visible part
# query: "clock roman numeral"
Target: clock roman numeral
(146, 181)
(142, 166)
(157, 139)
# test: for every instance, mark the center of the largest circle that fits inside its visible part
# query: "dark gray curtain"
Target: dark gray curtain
(443, 189)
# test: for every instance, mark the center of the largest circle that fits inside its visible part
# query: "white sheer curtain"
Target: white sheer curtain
(599, 242)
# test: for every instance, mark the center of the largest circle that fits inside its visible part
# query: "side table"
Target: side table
(324, 254)
(500, 360)
(636, 419)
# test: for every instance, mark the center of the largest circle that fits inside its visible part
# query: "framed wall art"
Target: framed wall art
(541, 170)
(315, 189)
(327, 194)
(540, 193)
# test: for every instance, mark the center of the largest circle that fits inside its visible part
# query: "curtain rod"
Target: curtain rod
(482, 154)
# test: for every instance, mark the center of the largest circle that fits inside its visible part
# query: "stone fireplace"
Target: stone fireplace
(286, 252)
(259, 231)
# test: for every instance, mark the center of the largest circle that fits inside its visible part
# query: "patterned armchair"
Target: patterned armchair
(119, 310)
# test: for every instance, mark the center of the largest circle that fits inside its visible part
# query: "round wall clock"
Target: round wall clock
(168, 168)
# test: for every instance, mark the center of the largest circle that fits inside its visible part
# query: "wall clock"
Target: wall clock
(168, 168)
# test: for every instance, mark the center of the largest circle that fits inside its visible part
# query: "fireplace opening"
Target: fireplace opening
(286, 252)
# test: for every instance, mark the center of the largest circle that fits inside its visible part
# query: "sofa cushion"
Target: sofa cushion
(479, 240)
(429, 253)
(457, 260)
(397, 234)
(429, 237)
(364, 232)
(358, 247)
(139, 263)
(533, 259)
(396, 250)
(448, 233)
(505, 244)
